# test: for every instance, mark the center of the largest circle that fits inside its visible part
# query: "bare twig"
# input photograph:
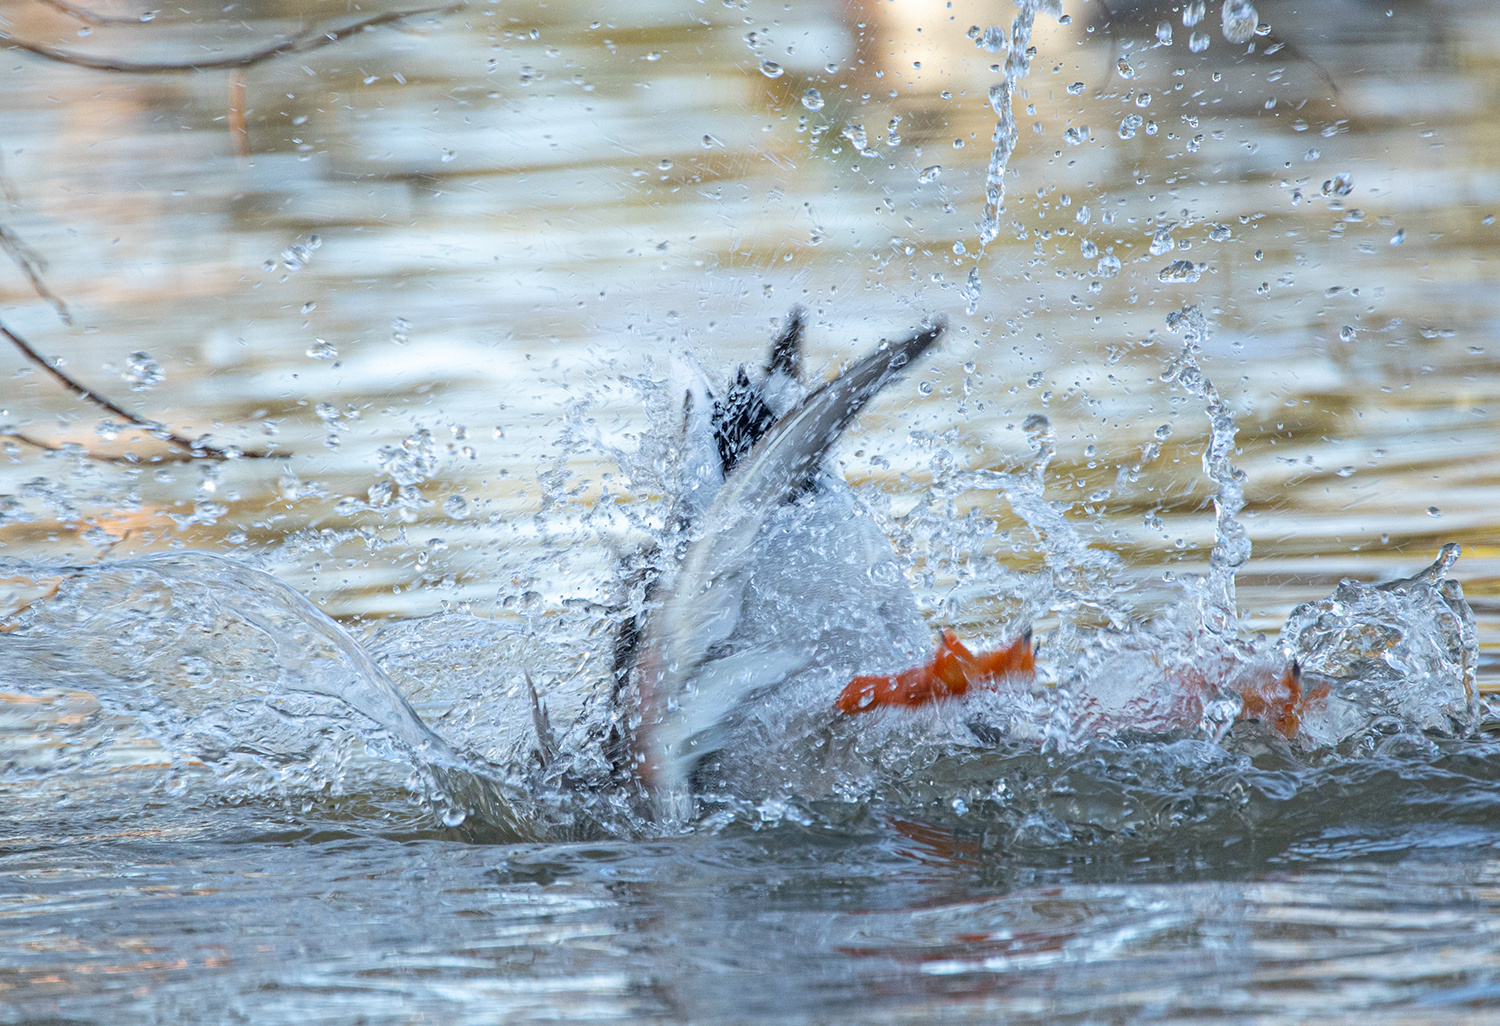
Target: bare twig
(196, 450)
(124, 457)
(85, 15)
(313, 38)
(32, 264)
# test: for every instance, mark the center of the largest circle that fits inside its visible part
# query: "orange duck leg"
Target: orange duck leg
(1278, 701)
(953, 670)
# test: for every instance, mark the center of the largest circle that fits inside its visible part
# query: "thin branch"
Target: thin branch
(124, 457)
(32, 264)
(308, 39)
(194, 449)
(85, 15)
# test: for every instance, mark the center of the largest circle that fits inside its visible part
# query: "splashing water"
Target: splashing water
(1231, 542)
(495, 729)
(1017, 66)
(230, 669)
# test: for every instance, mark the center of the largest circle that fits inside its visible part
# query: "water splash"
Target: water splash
(1407, 649)
(1017, 66)
(1231, 541)
(227, 667)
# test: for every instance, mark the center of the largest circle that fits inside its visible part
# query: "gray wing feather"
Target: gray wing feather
(701, 604)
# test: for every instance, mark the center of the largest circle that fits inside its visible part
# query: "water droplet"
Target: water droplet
(1162, 433)
(1345, 472)
(771, 69)
(308, 307)
(971, 290)
(1220, 233)
(1088, 249)
(812, 100)
(1239, 18)
(1199, 41)
(456, 506)
(1341, 184)
(142, 372)
(400, 331)
(448, 156)
(322, 350)
(454, 817)
(1347, 333)
(665, 164)
(1123, 67)
(830, 68)
(1109, 266)
(924, 388)
(1180, 272)
(1162, 242)
(1038, 430)
(856, 136)
(930, 174)
(1075, 136)
(654, 55)
(1399, 237)
(993, 39)
(1433, 511)
(1192, 13)
(1130, 125)
(1164, 33)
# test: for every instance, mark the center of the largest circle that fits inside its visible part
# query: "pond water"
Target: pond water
(440, 272)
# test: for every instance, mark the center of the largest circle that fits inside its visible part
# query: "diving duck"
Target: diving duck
(781, 594)
(779, 606)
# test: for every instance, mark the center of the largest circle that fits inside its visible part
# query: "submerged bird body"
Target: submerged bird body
(780, 616)
(783, 587)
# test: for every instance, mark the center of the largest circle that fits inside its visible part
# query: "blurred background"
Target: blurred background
(438, 266)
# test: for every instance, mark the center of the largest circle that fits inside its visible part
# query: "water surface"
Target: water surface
(440, 271)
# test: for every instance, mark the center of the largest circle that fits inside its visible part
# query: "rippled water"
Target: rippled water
(442, 272)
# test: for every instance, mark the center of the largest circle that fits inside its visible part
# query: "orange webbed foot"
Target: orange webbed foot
(1278, 701)
(953, 670)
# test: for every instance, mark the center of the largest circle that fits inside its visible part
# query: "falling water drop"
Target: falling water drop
(1239, 20)
(812, 100)
(142, 371)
